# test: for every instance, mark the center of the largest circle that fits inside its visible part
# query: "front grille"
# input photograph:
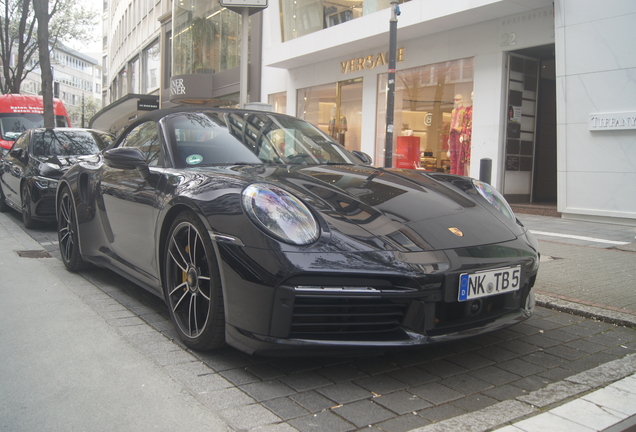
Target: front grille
(46, 207)
(319, 316)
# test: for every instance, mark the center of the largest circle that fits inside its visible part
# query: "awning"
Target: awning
(116, 116)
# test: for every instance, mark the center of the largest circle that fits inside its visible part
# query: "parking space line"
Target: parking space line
(576, 237)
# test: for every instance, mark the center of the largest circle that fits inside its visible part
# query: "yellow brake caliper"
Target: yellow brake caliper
(184, 275)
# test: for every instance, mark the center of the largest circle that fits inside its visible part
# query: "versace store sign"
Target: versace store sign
(369, 62)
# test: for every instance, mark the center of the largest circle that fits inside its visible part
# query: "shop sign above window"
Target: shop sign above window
(369, 62)
(612, 121)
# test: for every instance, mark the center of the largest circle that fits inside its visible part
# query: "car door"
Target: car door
(14, 166)
(130, 206)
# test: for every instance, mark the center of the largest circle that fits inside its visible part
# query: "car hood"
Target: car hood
(55, 166)
(411, 208)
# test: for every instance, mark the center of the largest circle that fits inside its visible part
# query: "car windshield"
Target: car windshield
(55, 142)
(13, 124)
(211, 138)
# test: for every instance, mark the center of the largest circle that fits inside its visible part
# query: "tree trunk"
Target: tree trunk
(41, 9)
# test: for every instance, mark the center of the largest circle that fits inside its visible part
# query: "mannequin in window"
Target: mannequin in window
(454, 143)
(466, 138)
(338, 128)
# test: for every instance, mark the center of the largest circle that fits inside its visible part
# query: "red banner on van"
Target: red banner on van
(20, 112)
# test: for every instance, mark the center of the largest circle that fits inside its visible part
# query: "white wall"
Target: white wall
(596, 73)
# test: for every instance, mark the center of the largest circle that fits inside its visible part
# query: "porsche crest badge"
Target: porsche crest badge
(456, 231)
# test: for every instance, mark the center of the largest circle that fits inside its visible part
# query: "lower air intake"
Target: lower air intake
(322, 317)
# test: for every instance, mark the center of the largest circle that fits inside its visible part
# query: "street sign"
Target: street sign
(244, 3)
(252, 6)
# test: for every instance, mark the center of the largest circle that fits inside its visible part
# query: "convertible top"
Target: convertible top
(160, 113)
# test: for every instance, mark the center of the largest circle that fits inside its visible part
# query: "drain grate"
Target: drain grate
(34, 254)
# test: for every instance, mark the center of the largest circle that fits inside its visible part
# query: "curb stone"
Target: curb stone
(537, 401)
(597, 313)
(482, 420)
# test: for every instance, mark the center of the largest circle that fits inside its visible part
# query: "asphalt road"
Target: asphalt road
(228, 389)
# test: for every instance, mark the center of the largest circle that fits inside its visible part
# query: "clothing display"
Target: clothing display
(337, 129)
(466, 139)
(454, 142)
(454, 148)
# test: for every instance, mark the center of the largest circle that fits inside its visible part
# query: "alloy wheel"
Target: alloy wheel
(190, 285)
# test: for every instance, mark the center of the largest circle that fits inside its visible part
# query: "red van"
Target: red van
(19, 112)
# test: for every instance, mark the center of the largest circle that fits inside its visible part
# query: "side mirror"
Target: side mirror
(18, 153)
(127, 158)
(364, 158)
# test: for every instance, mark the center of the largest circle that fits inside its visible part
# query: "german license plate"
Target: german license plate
(489, 282)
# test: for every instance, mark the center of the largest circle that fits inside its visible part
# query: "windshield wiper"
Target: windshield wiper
(335, 163)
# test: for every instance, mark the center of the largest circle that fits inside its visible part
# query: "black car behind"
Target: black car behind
(30, 170)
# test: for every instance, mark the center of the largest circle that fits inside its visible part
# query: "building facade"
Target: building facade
(76, 80)
(162, 53)
(131, 60)
(537, 87)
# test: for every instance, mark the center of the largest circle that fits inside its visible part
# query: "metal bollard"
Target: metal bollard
(485, 170)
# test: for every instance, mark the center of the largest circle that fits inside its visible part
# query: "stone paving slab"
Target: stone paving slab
(589, 276)
(609, 409)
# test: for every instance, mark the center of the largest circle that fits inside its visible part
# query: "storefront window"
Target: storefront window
(151, 58)
(336, 109)
(230, 37)
(278, 101)
(205, 37)
(315, 105)
(134, 75)
(123, 83)
(433, 117)
(301, 17)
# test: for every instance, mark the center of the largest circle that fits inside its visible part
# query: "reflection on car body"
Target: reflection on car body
(260, 231)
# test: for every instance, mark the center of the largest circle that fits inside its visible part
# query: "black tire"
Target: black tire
(192, 284)
(67, 233)
(3, 202)
(27, 216)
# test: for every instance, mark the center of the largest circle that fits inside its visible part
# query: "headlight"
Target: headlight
(495, 198)
(280, 214)
(45, 183)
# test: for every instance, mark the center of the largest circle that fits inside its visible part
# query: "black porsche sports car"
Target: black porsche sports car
(260, 231)
(30, 169)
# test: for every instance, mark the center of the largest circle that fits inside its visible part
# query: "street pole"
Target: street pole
(82, 109)
(390, 95)
(244, 54)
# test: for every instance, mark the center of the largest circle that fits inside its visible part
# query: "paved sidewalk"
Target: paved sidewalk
(586, 268)
(65, 368)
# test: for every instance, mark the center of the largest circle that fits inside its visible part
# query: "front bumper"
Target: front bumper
(342, 308)
(43, 197)
(267, 345)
